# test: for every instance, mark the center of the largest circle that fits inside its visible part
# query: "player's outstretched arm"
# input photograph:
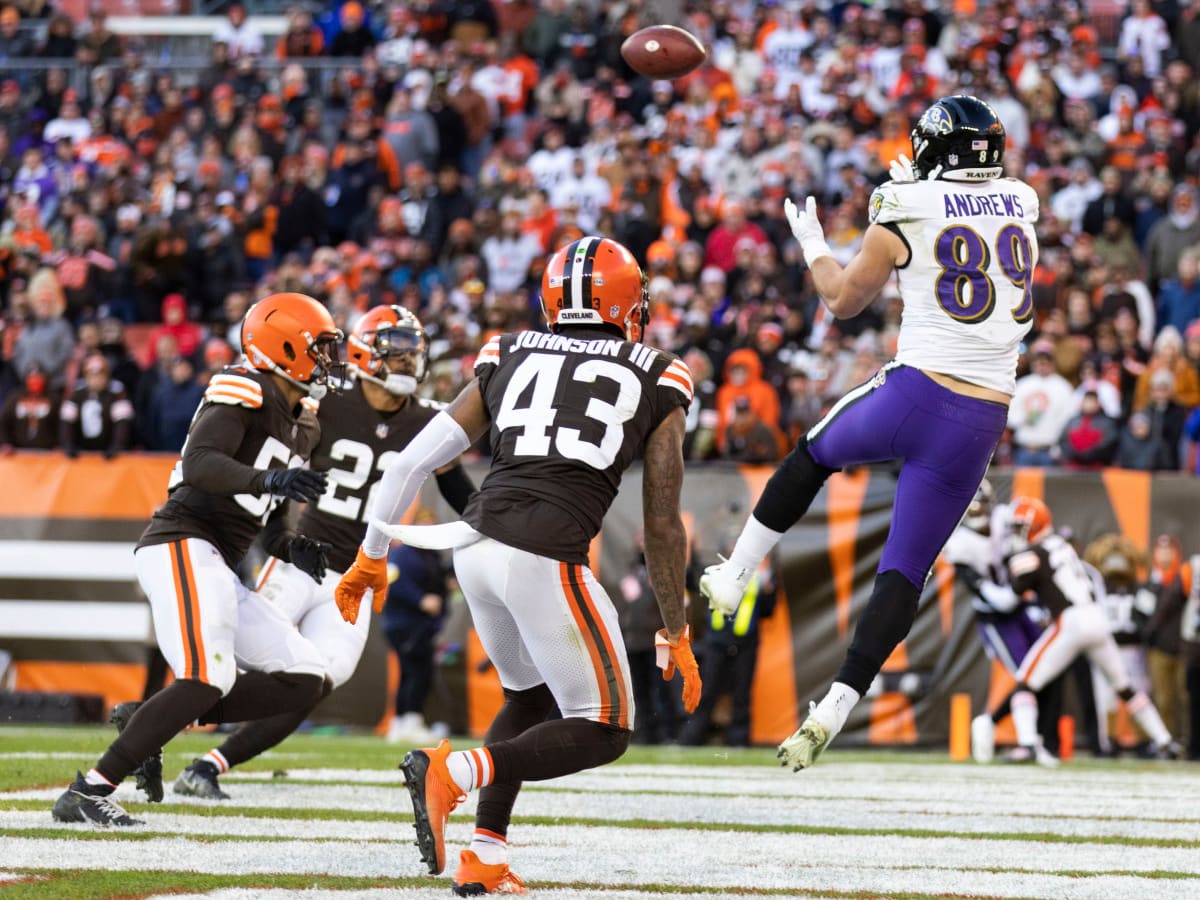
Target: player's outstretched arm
(845, 291)
(666, 539)
(666, 551)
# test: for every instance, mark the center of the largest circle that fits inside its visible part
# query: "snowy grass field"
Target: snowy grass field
(327, 817)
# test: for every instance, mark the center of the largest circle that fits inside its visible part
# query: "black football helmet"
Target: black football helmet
(959, 138)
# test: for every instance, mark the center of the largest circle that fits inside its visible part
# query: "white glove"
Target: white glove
(807, 230)
(901, 169)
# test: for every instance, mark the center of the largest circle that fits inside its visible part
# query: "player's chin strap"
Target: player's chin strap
(395, 383)
(260, 360)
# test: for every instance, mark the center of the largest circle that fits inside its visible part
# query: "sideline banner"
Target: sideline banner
(74, 619)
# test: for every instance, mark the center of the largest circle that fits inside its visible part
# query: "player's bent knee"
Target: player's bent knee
(792, 488)
(308, 689)
(538, 699)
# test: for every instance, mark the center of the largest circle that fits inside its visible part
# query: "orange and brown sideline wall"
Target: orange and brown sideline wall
(67, 530)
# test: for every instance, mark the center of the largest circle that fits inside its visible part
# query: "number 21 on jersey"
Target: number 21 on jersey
(537, 379)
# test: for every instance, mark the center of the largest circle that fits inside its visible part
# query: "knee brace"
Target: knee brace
(791, 490)
(884, 624)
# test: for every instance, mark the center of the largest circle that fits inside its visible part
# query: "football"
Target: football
(662, 52)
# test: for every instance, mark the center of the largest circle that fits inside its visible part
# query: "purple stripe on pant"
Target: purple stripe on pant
(1008, 637)
(944, 439)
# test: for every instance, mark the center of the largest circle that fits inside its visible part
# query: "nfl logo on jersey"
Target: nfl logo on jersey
(381, 431)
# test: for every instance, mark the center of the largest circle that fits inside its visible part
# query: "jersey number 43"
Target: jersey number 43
(538, 378)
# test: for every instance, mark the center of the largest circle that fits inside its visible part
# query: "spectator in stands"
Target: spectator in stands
(1140, 449)
(238, 34)
(29, 416)
(121, 364)
(302, 40)
(1041, 406)
(743, 380)
(172, 406)
(98, 44)
(1172, 235)
(46, 339)
(1090, 439)
(1168, 358)
(60, 40)
(747, 437)
(97, 416)
(1179, 298)
(15, 43)
(509, 254)
(720, 249)
(175, 322)
(353, 38)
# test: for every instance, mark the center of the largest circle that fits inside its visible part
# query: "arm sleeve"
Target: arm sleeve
(277, 534)
(208, 463)
(437, 444)
(456, 487)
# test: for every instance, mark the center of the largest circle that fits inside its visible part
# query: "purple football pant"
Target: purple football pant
(945, 442)
(1008, 637)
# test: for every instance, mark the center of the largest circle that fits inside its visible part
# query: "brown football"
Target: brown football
(662, 51)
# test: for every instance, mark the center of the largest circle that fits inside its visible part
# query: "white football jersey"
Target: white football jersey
(968, 285)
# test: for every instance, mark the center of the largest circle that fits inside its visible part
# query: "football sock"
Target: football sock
(156, 721)
(491, 848)
(520, 712)
(256, 695)
(1146, 715)
(835, 707)
(217, 758)
(471, 769)
(883, 624)
(1024, 714)
(556, 748)
(791, 490)
(95, 779)
(252, 738)
(753, 545)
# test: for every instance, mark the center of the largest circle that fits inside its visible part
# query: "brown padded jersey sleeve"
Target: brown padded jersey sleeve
(208, 458)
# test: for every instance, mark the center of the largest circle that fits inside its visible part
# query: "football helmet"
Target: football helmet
(979, 512)
(595, 281)
(293, 336)
(958, 138)
(1030, 519)
(384, 333)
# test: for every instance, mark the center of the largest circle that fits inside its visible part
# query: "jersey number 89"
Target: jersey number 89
(964, 289)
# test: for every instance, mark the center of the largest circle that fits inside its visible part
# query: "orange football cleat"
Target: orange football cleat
(473, 877)
(434, 796)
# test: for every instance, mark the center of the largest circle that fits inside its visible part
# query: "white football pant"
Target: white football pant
(208, 624)
(311, 609)
(541, 620)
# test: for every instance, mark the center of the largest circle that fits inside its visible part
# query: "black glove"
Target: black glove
(295, 484)
(309, 556)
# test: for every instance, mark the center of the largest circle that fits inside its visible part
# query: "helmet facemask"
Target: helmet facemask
(396, 342)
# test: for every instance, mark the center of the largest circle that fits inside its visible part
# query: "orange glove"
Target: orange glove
(365, 573)
(679, 655)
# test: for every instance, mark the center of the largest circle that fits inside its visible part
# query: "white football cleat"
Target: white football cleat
(802, 749)
(724, 584)
(983, 738)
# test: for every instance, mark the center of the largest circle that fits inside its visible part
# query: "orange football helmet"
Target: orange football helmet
(293, 336)
(1030, 519)
(595, 281)
(389, 332)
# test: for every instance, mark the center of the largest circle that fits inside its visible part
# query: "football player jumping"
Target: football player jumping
(569, 411)
(245, 452)
(961, 241)
(362, 430)
(1043, 565)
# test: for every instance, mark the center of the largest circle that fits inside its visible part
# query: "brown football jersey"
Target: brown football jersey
(358, 442)
(243, 427)
(569, 413)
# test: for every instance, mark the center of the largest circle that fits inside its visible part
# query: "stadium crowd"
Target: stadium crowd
(145, 207)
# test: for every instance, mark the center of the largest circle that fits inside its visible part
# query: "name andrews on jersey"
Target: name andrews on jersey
(983, 205)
